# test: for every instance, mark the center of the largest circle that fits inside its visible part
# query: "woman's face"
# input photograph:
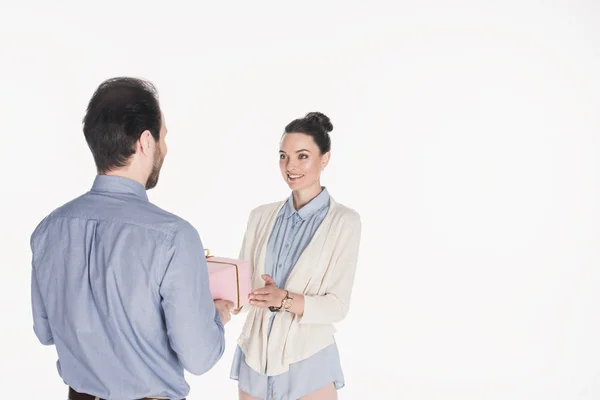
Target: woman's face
(300, 161)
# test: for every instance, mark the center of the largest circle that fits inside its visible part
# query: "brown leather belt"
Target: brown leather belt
(73, 395)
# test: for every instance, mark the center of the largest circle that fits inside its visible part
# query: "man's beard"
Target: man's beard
(153, 178)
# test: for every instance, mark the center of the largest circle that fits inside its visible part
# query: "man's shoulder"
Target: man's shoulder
(57, 212)
(176, 223)
(161, 218)
(142, 214)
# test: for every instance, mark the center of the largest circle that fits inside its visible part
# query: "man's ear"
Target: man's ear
(145, 142)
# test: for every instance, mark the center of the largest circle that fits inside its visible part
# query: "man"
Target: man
(119, 286)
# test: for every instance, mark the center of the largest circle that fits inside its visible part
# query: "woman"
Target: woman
(303, 252)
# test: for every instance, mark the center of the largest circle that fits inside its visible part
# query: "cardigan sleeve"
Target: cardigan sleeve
(246, 249)
(246, 252)
(332, 306)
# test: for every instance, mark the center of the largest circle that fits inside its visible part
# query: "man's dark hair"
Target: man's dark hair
(117, 114)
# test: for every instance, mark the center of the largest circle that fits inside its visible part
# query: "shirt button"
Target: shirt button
(287, 245)
(278, 265)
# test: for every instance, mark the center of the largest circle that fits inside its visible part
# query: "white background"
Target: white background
(466, 136)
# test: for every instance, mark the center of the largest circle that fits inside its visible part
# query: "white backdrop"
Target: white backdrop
(466, 135)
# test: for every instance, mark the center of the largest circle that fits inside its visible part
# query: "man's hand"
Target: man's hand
(224, 306)
(269, 295)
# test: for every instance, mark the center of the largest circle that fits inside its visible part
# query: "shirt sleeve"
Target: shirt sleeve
(333, 306)
(194, 325)
(41, 326)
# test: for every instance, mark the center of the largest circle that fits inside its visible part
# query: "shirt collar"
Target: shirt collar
(322, 200)
(119, 184)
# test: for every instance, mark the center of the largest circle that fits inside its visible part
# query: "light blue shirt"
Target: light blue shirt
(120, 287)
(292, 232)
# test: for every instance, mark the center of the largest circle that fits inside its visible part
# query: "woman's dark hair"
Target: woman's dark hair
(118, 113)
(315, 124)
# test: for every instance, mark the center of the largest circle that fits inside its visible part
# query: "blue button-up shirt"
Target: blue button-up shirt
(120, 287)
(292, 232)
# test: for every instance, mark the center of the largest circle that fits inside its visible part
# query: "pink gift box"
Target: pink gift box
(229, 279)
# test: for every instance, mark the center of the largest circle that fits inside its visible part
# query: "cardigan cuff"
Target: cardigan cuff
(313, 314)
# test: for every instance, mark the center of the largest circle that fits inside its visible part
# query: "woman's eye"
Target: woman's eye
(282, 156)
(303, 156)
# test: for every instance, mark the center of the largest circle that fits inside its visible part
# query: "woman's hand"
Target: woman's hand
(269, 295)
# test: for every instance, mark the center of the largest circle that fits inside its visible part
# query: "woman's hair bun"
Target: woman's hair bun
(321, 119)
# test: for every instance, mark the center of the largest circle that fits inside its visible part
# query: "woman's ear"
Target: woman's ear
(325, 160)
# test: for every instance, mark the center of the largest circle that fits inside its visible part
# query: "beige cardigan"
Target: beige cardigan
(324, 274)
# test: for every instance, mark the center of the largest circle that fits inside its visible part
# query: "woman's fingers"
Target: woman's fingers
(261, 297)
(268, 280)
(259, 304)
(265, 290)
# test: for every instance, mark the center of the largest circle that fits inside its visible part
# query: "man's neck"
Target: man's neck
(127, 173)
